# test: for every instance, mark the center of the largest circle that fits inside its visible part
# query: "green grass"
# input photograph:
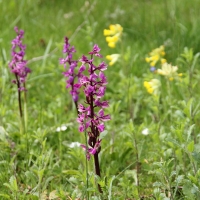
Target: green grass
(161, 165)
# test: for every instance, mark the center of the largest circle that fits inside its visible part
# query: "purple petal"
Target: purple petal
(81, 128)
(92, 150)
(101, 127)
(101, 113)
(102, 66)
(105, 118)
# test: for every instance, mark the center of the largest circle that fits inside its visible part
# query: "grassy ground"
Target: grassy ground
(42, 164)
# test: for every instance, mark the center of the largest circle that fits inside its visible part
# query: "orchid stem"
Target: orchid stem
(86, 166)
(97, 169)
(20, 106)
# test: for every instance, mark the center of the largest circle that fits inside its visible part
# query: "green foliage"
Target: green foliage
(151, 146)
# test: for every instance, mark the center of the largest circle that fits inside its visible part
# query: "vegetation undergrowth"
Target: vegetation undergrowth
(110, 113)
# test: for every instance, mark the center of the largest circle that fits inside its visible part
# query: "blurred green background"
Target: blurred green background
(147, 24)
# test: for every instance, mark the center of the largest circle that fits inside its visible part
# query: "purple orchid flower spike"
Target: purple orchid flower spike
(91, 117)
(18, 65)
(94, 87)
(70, 65)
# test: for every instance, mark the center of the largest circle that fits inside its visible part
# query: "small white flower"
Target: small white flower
(61, 128)
(58, 129)
(145, 131)
(74, 144)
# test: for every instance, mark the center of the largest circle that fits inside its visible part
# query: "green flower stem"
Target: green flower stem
(25, 110)
(170, 96)
(86, 166)
(137, 163)
(97, 169)
(22, 128)
(26, 119)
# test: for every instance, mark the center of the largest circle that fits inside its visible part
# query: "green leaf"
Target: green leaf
(47, 182)
(188, 108)
(13, 183)
(131, 127)
(110, 187)
(195, 60)
(40, 174)
(103, 134)
(72, 172)
(188, 54)
(90, 189)
(179, 179)
(157, 184)
(190, 132)
(8, 186)
(3, 134)
(190, 147)
(196, 156)
(5, 196)
(190, 190)
(173, 141)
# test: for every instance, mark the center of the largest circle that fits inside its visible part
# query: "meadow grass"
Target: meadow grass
(151, 149)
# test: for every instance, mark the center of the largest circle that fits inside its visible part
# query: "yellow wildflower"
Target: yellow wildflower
(180, 74)
(162, 52)
(163, 60)
(113, 58)
(147, 59)
(114, 29)
(152, 86)
(113, 34)
(169, 71)
(153, 63)
(156, 55)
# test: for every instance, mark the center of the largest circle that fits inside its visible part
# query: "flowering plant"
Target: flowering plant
(91, 115)
(18, 65)
(152, 86)
(113, 58)
(155, 56)
(19, 68)
(113, 34)
(70, 65)
(169, 71)
(94, 88)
